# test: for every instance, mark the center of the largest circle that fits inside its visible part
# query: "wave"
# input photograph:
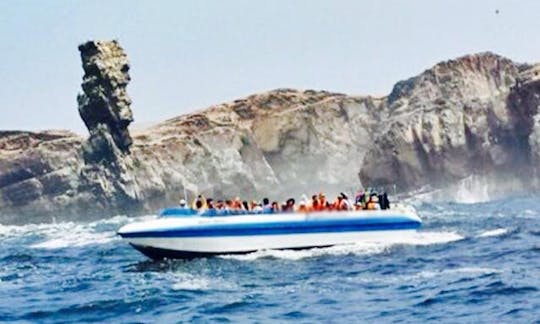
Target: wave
(495, 232)
(68, 234)
(364, 248)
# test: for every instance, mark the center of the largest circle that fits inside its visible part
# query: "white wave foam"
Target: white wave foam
(471, 190)
(359, 248)
(186, 281)
(464, 270)
(364, 248)
(75, 238)
(495, 232)
(67, 234)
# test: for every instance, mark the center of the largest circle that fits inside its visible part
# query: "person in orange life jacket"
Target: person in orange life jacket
(336, 205)
(303, 208)
(373, 203)
(323, 204)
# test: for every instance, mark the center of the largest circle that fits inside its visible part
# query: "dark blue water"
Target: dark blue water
(469, 263)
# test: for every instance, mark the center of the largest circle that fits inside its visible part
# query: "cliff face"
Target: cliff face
(449, 122)
(476, 115)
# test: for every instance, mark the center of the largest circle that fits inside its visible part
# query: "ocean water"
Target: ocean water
(469, 263)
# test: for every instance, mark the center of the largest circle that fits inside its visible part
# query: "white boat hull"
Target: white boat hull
(184, 237)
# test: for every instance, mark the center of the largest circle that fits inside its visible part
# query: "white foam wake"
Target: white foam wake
(364, 248)
(495, 232)
(67, 234)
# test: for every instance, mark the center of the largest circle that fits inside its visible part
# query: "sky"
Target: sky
(188, 55)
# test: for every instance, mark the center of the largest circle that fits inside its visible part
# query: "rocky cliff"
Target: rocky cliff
(475, 115)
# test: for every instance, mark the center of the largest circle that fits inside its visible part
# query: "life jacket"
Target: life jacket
(322, 204)
(371, 205)
(337, 204)
(303, 209)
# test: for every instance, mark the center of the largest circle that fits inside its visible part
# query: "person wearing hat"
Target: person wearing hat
(183, 204)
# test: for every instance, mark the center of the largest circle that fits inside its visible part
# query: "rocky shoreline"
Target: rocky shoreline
(476, 115)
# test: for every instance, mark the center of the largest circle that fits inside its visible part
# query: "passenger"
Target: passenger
(345, 203)
(358, 206)
(336, 205)
(385, 202)
(210, 203)
(257, 208)
(359, 197)
(198, 205)
(202, 200)
(373, 203)
(211, 209)
(314, 203)
(302, 208)
(252, 205)
(183, 204)
(275, 207)
(289, 206)
(228, 209)
(245, 206)
(237, 204)
(323, 204)
(367, 196)
(220, 205)
(267, 207)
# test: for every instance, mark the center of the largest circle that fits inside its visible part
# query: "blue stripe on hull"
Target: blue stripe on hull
(280, 228)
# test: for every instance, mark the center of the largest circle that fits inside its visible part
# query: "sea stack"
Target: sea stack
(104, 104)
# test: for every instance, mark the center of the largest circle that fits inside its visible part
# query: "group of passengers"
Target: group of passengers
(364, 200)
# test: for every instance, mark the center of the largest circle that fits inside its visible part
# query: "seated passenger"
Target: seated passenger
(252, 205)
(302, 207)
(323, 204)
(275, 207)
(314, 203)
(345, 203)
(183, 204)
(336, 205)
(359, 197)
(258, 209)
(266, 206)
(200, 201)
(373, 203)
(385, 203)
(237, 204)
(289, 206)
(245, 206)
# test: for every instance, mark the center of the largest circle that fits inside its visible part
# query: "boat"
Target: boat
(184, 233)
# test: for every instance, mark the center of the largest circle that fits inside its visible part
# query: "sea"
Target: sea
(474, 262)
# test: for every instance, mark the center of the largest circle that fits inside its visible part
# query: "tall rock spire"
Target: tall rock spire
(104, 104)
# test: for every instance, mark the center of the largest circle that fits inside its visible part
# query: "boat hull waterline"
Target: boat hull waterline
(186, 237)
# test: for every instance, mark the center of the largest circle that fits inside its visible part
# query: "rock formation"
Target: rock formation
(475, 115)
(446, 124)
(104, 104)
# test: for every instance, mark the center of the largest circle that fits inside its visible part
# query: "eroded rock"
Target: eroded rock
(104, 104)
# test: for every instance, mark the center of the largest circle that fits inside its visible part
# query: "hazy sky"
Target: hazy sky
(187, 55)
